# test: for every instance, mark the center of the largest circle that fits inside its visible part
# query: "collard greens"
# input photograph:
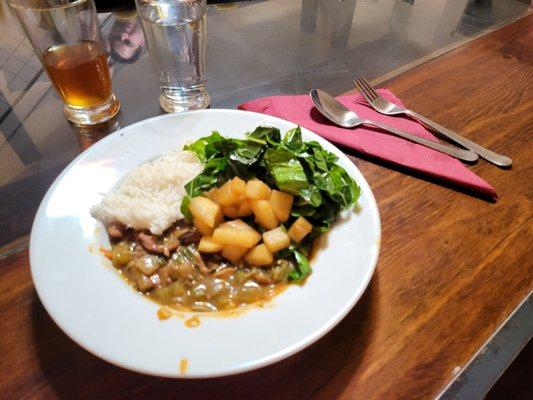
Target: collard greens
(304, 169)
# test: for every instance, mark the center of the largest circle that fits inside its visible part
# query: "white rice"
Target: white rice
(149, 196)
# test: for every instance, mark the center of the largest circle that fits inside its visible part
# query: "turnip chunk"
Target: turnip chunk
(207, 245)
(226, 196)
(257, 190)
(299, 229)
(276, 239)
(238, 186)
(203, 228)
(259, 256)
(245, 208)
(233, 253)
(236, 233)
(212, 194)
(281, 204)
(206, 211)
(231, 211)
(264, 215)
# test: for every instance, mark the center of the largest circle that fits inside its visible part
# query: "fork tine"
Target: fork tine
(369, 92)
(363, 92)
(367, 95)
(364, 84)
(368, 86)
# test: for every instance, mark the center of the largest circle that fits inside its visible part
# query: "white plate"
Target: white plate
(96, 308)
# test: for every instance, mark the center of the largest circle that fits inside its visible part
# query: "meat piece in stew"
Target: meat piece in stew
(170, 270)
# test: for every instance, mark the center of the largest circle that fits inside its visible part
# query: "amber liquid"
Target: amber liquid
(80, 73)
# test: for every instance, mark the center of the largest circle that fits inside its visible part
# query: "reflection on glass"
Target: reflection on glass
(90, 134)
(331, 17)
(126, 39)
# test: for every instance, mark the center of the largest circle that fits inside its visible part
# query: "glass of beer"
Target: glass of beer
(66, 36)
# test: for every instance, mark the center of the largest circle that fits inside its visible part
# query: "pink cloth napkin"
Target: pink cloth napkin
(300, 110)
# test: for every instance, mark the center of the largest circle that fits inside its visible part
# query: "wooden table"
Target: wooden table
(452, 266)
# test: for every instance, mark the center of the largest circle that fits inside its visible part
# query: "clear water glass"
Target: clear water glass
(175, 32)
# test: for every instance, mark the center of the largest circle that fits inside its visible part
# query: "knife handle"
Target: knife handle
(495, 158)
(461, 154)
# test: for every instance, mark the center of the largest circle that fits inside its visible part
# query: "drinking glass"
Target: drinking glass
(67, 39)
(175, 32)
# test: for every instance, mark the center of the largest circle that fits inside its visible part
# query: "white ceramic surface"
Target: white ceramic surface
(99, 311)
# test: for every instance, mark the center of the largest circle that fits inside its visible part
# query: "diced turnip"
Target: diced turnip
(212, 194)
(202, 227)
(264, 215)
(276, 239)
(225, 195)
(233, 253)
(245, 208)
(207, 245)
(259, 256)
(299, 229)
(236, 233)
(238, 186)
(257, 190)
(281, 204)
(206, 211)
(231, 211)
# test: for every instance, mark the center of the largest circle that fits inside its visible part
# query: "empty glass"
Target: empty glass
(175, 32)
(67, 39)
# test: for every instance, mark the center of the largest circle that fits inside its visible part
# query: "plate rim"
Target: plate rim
(273, 358)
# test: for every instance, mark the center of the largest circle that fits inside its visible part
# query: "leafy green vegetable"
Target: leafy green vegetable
(247, 155)
(264, 134)
(287, 171)
(293, 139)
(303, 268)
(304, 169)
(311, 195)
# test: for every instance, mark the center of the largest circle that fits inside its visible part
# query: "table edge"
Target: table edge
(484, 369)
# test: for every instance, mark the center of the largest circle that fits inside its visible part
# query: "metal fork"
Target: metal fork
(383, 106)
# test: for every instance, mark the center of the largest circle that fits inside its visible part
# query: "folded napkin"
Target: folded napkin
(370, 141)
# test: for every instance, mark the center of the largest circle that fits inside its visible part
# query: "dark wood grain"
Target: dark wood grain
(452, 266)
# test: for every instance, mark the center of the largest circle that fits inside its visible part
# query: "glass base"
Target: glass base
(180, 99)
(94, 115)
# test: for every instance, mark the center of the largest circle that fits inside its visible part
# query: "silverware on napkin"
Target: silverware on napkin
(383, 106)
(340, 115)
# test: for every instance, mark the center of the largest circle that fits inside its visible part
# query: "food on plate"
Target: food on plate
(224, 222)
(149, 197)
